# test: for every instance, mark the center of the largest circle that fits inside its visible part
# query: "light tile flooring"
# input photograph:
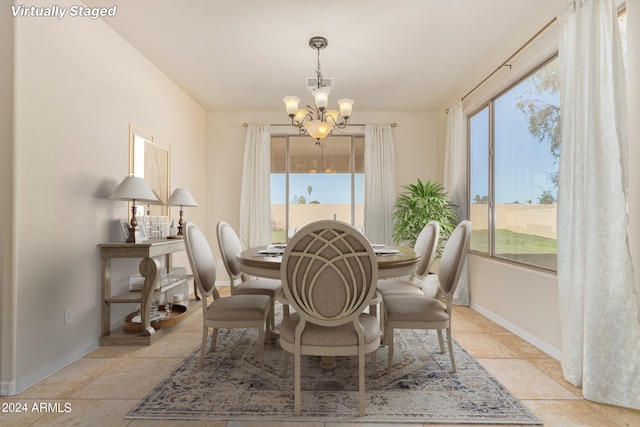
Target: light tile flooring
(100, 388)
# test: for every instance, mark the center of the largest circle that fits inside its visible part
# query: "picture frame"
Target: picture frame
(141, 233)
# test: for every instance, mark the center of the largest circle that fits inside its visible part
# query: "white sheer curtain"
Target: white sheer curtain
(255, 199)
(455, 181)
(598, 308)
(379, 183)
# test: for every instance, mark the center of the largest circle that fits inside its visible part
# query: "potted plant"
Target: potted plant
(421, 203)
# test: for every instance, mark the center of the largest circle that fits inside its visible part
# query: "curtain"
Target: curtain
(455, 181)
(255, 199)
(597, 297)
(379, 183)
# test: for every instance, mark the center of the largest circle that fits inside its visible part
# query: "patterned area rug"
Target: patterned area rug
(420, 389)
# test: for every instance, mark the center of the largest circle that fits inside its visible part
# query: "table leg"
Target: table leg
(149, 270)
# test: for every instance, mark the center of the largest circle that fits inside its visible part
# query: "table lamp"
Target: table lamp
(133, 188)
(180, 197)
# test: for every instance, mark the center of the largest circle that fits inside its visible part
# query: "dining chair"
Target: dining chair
(426, 312)
(234, 311)
(328, 272)
(426, 246)
(240, 283)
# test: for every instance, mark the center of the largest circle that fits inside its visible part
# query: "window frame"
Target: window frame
(352, 141)
(491, 206)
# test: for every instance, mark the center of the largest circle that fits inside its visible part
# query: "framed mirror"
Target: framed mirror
(150, 159)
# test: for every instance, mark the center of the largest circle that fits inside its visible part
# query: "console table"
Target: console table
(148, 251)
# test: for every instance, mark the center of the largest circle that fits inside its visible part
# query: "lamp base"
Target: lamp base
(175, 237)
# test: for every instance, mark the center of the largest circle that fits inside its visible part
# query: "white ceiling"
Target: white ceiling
(386, 55)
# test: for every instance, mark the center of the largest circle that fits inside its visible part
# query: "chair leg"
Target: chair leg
(361, 380)
(214, 340)
(389, 334)
(442, 350)
(261, 343)
(297, 384)
(450, 344)
(374, 363)
(285, 369)
(205, 333)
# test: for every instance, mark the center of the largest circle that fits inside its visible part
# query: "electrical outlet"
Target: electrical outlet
(68, 315)
(219, 263)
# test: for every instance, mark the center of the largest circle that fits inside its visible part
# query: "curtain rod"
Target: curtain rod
(506, 62)
(289, 124)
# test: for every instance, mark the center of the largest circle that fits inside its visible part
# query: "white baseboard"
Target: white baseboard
(8, 388)
(531, 339)
(49, 369)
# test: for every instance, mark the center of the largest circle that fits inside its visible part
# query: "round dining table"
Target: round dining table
(265, 261)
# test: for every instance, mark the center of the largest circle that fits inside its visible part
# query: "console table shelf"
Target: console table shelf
(148, 251)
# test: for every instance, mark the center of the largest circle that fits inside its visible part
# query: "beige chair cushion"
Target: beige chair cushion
(239, 307)
(401, 308)
(337, 336)
(258, 287)
(398, 287)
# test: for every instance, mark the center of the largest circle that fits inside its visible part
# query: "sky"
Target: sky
(523, 164)
(327, 188)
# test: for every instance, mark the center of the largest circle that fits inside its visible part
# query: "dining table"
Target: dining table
(265, 261)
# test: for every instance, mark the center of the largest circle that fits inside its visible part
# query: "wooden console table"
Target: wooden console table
(148, 251)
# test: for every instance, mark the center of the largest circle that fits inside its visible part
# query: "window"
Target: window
(514, 143)
(311, 182)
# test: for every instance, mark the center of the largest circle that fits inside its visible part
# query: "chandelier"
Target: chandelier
(318, 122)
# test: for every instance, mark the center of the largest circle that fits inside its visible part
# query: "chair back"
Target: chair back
(329, 273)
(453, 258)
(230, 246)
(201, 260)
(426, 246)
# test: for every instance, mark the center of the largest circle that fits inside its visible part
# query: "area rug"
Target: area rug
(420, 388)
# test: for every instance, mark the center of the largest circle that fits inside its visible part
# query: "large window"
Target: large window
(514, 145)
(310, 182)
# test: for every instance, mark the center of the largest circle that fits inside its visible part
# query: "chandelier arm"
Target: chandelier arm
(339, 125)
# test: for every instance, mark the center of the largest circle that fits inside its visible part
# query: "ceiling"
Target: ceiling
(386, 55)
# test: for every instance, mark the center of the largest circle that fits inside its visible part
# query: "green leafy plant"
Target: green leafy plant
(421, 203)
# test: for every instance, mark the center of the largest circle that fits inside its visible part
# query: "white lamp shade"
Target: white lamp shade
(321, 96)
(291, 103)
(318, 129)
(133, 188)
(345, 105)
(181, 197)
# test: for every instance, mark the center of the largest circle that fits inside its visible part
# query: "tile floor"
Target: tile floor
(100, 388)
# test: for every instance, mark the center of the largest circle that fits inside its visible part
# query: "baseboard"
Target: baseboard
(7, 388)
(51, 368)
(531, 339)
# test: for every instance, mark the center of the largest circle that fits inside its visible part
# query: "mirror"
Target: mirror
(151, 160)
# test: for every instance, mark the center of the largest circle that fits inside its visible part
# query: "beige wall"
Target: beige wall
(78, 86)
(414, 140)
(8, 294)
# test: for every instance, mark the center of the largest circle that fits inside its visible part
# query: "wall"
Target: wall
(78, 86)
(7, 310)
(525, 301)
(414, 140)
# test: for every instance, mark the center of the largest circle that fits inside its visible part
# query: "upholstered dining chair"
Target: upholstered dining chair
(411, 312)
(235, 311)
(426, 246)
(329, 272)
(240, 283)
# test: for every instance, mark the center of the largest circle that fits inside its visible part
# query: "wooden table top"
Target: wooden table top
(389, 265)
